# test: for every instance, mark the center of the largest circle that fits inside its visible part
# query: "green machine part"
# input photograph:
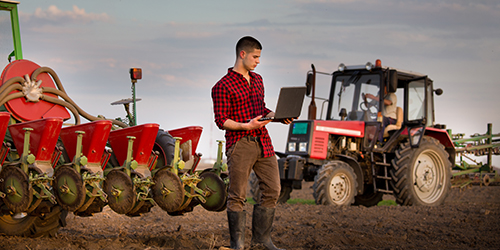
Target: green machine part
(11, 6)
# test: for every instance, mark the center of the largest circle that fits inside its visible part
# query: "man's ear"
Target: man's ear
(242, 54)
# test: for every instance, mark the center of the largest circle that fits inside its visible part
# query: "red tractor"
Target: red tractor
(353, 158)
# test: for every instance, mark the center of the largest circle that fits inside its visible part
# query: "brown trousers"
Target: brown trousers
(242, 157)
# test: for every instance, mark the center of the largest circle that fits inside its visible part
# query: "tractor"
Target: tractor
(49, 168)
(353, 158)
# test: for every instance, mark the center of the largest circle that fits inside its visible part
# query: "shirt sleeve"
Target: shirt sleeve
(220, 100)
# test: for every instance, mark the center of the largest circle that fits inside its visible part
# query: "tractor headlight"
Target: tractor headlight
(291, 146)
(303, 146)
(369, 66)
(341, 67)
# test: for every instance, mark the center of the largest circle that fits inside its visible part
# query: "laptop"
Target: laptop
(289, 103)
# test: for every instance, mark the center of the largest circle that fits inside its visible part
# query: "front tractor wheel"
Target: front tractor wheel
(335, 184)
(421, 176)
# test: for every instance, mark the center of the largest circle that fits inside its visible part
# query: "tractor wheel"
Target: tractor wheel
(165, 145)
(335, 184)
(368, 198)
(421, 176)
(256, 193)
(22, 224)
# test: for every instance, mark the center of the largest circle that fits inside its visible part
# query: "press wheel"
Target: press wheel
(141, 205)
(68, 188)
(15, 184)
(215, 190)
(120, 190)
(168, 191)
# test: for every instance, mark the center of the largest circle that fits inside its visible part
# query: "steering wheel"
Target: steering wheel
(367, 106)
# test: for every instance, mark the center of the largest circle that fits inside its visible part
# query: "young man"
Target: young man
(238, 100)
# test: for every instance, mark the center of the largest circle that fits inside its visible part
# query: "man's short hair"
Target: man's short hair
(248, 44)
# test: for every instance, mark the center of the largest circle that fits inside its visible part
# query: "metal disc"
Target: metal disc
(120, 190)
(215, 189)
(139, 204)
(15, 184)
(68, 188)
(224, 176)
(168, 191)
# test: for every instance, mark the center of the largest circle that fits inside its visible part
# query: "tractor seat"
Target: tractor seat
(399, 122)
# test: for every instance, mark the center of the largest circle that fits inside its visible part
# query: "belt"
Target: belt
(251, 138)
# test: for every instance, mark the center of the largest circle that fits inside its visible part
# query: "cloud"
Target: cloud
(54, 15)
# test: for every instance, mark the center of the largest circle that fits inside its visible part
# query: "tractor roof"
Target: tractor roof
(402, 74)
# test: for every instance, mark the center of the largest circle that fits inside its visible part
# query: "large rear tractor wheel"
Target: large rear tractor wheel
(165, 145)
(22, 224)
(421, 176)
(255, 192)
(335, 184)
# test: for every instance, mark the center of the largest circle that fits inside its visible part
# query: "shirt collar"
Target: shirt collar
(231, 71)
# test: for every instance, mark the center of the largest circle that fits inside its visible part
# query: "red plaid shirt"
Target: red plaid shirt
(234, 99)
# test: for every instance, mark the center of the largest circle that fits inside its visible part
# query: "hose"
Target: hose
(60, 91)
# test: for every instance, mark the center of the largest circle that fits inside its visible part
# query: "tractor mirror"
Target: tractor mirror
(438, 91)
(392, 81)
(309, 82)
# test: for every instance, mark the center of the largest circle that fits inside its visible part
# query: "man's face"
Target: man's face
(251, 59)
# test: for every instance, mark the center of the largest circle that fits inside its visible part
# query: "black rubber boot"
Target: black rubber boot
(262, 223)
(237, 222)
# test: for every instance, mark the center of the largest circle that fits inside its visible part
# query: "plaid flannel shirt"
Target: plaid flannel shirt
(233, 98)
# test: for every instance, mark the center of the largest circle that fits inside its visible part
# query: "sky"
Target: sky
(185, 47)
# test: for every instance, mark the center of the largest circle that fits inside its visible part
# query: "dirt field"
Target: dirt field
(468, 220)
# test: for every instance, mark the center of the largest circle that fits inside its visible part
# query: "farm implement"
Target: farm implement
(49, 168)
(468, 170)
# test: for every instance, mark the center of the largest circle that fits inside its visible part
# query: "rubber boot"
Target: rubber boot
(262, 223)
(237, 222)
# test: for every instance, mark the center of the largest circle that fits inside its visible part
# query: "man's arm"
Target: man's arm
(386, 101)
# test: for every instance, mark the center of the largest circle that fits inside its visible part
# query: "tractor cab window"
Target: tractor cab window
(416, 100)
(350, 93)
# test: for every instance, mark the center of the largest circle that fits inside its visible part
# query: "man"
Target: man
(389, 110)
(238, 100)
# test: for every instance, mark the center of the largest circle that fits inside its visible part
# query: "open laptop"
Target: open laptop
(289, 103)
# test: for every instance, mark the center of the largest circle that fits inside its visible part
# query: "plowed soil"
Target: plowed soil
(469, 219)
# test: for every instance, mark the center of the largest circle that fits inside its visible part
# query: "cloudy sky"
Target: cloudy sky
(184, 47)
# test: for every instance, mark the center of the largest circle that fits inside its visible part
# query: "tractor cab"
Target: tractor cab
(385, 99)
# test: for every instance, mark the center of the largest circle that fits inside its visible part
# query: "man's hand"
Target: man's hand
(371, 96)
(255, 123)
(287, 121)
